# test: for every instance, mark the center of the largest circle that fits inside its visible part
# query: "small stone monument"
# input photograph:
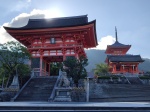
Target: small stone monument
(15, 83)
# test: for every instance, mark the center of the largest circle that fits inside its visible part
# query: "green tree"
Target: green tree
(12, 57)
(76, 68)
(101, 69)
(54, 68)
(24, 72)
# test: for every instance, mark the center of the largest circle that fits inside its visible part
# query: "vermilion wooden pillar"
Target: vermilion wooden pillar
(41, 62)
(49, 68)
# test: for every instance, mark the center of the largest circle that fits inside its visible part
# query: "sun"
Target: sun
(53, 12)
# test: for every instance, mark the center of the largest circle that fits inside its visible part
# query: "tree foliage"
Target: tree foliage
(54, 68)
(76, 68)
(101, 69)
(12, 59)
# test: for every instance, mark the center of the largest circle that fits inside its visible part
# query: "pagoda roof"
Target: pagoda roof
(53, 23)
(119, 45)
(124, 58)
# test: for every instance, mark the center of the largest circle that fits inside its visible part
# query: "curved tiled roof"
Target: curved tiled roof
(117, 44)
(54, 22)
(125, 58)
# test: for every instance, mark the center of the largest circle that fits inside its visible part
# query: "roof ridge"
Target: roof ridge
(71, 17)
(129, 55)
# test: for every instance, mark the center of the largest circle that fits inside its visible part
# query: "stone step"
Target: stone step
(38, 89)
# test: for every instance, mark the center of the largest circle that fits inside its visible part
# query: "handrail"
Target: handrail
(139, 79)
(18, 93)
(127, 79)
(50, 99)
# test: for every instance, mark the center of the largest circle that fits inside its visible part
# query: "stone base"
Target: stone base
(62, 99)
(63, 95)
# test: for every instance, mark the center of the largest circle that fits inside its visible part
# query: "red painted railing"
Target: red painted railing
(54, 45)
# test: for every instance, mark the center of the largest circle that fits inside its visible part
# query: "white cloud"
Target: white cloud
(102, 44)
(28, 0)
(4, 37)
(22, 19)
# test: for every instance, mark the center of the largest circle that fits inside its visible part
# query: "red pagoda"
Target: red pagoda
(52, 40)
(118, 61)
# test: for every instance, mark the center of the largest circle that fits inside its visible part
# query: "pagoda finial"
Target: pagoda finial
(116, 34)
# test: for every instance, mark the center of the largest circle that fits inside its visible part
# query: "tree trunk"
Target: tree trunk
(3, 81)
(76, 83)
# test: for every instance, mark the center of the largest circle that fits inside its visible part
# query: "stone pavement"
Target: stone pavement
(76, 106)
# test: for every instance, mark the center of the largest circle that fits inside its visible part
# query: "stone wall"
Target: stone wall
(78, 94)
(146, 81)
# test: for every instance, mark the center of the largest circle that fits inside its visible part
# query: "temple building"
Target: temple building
(118, 61)
(53, 40)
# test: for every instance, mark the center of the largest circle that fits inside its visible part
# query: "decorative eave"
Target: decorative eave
(124, 58)
(60, 22)
(110, 48)
(89, 27)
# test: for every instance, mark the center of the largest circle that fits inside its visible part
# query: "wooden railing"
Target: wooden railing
(54, 45)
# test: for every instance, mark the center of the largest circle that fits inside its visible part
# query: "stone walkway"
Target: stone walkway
(75, 104)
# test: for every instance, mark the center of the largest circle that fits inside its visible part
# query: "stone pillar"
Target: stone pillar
(87, 90)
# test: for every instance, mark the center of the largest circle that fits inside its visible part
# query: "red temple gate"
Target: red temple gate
(52, 40)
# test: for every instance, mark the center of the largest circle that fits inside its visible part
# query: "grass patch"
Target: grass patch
(108, 77)
(103, 77)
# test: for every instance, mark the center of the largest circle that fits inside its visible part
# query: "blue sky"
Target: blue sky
(130, 16)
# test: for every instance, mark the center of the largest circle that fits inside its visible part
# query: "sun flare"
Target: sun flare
(53, 12)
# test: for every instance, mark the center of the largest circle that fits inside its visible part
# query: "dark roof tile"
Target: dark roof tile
(55, 22)
(125, 58)
(117, 44)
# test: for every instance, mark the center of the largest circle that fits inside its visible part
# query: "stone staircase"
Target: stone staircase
(120, 93)
(38, 89)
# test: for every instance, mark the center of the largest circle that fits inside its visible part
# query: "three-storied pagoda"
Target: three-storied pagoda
(52, 40)
(120, 62)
